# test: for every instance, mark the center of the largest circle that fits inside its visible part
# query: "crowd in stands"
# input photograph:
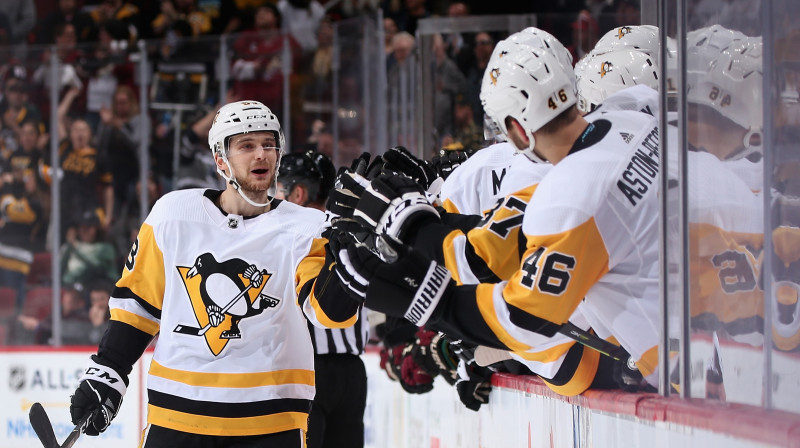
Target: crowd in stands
(100, 128)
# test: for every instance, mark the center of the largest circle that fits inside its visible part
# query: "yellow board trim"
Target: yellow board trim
(219, 426)
(234, 380)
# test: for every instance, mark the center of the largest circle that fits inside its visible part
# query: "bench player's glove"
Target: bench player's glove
(99, 395)
(399, 160)
(431, 350)
(411, 286)
(447, 161)
(474, 385)
(391, 204)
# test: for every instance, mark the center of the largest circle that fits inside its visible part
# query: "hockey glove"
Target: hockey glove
(413, 378)
(447, 161)
(387, 361)
(628, 377)
(344, 197)
(391, 204)
(99, 395)
(432, 352)
(399, 160)
(410, 287)
(474, 385)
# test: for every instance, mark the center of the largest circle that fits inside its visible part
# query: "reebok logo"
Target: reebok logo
(625, 136)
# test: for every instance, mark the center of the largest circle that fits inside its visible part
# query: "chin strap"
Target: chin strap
(236, 186)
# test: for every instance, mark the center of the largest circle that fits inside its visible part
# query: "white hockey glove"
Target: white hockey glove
(99, 395)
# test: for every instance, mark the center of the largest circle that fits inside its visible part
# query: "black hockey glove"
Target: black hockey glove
(447, 161)
(99, 395)
(344, 196)
(391, 204)
(411, 286)
(629, 379)
(474, 385)
(400, 161)
(432, 352)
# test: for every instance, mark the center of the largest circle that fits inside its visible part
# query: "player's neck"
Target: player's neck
(233, 204)
(554, 147)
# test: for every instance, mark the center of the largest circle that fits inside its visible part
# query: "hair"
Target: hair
(274, 9)
(403, 36)
(100, 284)
(311, 186)
(560, 121)
(132, 97)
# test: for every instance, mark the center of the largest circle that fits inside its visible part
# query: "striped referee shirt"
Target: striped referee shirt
(349, 340)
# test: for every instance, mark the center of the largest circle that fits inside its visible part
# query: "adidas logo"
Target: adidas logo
(625, 136)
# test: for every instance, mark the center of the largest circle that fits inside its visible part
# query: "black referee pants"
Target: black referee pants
(337, 415)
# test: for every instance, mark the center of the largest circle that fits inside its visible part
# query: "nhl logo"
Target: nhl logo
(16, 378)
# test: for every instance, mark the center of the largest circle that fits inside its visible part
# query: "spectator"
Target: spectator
(22, 222)
(125, 12)
(99, 292)
(468, 133)
(389, 31)
(257, 68)
(15, 107)
(317, 90)
(484, 45)
(302, 20)
(235, 16)
(75, 323)
(620, 13)
(67, 12)
(448, 81)
(119, 136)
(86, 182)
(125, 229)
(72, 59)
(21, 16)
(407, 18)
(399, 75)
(173, 11)
(85, 256)
(585, 34)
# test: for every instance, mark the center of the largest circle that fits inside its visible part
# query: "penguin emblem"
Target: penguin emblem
(222, 293)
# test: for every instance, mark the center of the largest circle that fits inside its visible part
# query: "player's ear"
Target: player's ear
(299, 194)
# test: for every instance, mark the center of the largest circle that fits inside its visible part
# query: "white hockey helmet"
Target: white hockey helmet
(733, 87)
(532, 84)
(243, 117)
(536, 38)
(642, 38)
(704, 45)
(605, 74)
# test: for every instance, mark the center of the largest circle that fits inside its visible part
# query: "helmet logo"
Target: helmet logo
(605, 68)
(622, 31)
(502, 53)
(493, 75)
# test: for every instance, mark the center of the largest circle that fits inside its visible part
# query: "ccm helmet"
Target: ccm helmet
(605, 74)
(733, 87)
(532, 84)
(237, 118)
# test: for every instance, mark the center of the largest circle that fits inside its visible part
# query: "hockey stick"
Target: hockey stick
(195, 331)
(44, 429)
(594, 342)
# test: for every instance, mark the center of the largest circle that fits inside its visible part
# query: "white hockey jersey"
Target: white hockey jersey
(253, 372)
(592, 232)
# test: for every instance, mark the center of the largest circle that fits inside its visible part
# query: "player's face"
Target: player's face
(253, 158)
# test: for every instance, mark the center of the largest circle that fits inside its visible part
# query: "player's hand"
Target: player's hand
(215, 316)
(399, 160)
(343, 198)
(391, 204)
(474, 385)
(447, 161)
(413, 378)
(431, 350)
(99, 395)
(253, 275)
(411, 286)
(628, 378)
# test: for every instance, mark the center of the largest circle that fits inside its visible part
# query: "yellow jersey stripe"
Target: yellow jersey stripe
(234, 380)
(136, 321)
(219, 426)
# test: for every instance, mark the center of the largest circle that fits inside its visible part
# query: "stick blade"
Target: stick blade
(184, 329)
(42, 426)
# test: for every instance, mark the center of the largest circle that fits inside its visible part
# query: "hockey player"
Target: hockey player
(591, 227)
(337, 414)
(210, 383)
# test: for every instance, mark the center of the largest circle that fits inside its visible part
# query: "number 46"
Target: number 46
(562, 95)
(554, 275)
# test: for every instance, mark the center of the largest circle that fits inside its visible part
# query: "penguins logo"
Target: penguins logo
(222, 293)
(605, 68)
(622, 31)
(493, 75)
